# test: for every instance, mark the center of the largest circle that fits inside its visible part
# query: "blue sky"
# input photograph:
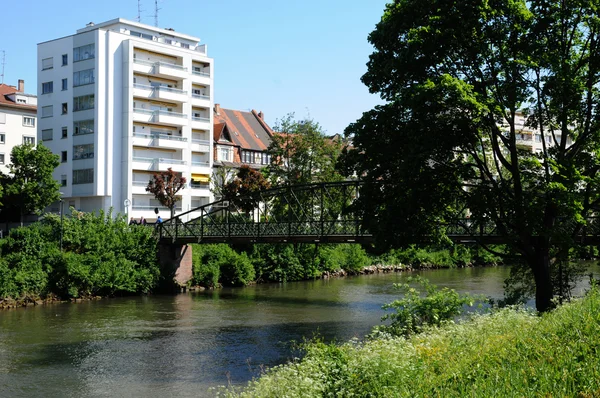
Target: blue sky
(278, 56)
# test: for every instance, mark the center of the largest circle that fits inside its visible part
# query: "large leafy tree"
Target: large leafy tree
(165, 186)
(301, 153)
(243, 188)
(452, 73)
(29, 186)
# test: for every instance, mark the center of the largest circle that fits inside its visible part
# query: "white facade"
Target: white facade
(530, 138)
(120, 101)
(17, 121)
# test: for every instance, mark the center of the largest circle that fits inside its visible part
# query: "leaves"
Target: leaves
(242, 189)
(164, 186)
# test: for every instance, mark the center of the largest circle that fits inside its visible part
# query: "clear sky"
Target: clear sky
(278, 56)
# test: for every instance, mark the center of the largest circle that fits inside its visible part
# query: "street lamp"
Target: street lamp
(126, 203)
(61, 219)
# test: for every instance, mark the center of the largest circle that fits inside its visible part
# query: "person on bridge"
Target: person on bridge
(132, 221)
(142, 220)
(159, 220)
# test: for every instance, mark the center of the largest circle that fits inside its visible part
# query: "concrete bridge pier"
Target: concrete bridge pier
(176, 265)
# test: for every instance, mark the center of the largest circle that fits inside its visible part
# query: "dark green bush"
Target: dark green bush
(214, 264)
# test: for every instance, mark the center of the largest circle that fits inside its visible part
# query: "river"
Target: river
(186, 344)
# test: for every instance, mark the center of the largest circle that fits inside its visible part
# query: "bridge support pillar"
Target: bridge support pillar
(176, 264)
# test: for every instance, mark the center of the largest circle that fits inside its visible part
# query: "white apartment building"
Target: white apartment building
(17, 120)
(120, 101)
(530, 138)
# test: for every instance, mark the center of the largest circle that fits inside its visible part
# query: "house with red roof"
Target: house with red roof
(240, 138)
(17, 120)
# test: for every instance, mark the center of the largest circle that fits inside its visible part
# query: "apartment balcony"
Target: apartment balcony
(159, 117)
(160, 141)
(160, 93)
(139, 187)
(201, 77)
(158, 164)
(201, 100)
(200, 146)
(160, 69)
(201, 167)
(201, 123)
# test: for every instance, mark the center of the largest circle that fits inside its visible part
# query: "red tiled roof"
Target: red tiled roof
(246, 129)
(5, 91)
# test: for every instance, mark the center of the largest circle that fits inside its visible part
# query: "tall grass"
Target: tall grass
(509, 353)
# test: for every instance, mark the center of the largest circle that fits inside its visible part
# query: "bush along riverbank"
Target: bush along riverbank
(220, 264)
(504, 353)
(100, 256)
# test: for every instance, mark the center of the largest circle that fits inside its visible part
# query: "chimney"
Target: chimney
(21, 86)
(217, 109)
(89, 24)
(261, 115)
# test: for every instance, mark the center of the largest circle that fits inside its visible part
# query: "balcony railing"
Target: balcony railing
(169, 113)
(144, 111)
(200, 163)
(140, 183)
(201, 119)
(161, 208)
(159, 63)
(199, 141)
(199, 73)
(172, 161)
(154, 136)
(203, 185)
(201, 96)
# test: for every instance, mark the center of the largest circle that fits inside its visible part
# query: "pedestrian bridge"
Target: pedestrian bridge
(310, 213)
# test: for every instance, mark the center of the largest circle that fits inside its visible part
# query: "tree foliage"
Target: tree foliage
(164, 186)
(243, 189)
(456, 75)
(301, 153)
(29, 187)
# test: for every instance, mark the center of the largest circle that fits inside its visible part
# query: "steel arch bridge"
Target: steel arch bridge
(310, 213)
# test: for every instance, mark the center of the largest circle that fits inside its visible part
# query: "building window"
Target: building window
(2, 138)
(65, 59)
(84, 52)
(83, 77)
(63, 133)
(65, 84)
(225, 154)
(1, 158)
(185, 45)
(28, 121)
(63, 180)
(65, 108)
(47, 87)
(63, 157)
(28, 140)
(47, 111)
(47, 135)
(47, 63)
(266, 158)
(142, 35)
(83, 127)
(85, 176)
(85, 151)
(84, 102)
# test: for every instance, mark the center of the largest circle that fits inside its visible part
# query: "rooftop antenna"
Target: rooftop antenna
(156, 13)
(3, 62)
(139, 17)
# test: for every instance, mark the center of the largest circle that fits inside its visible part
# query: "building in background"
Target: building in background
(119, 101)
(17, 120)
(241, 138)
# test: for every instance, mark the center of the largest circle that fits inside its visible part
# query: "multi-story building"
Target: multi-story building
(17, 120)
(529, 138)
(241, 138)
(120, 101)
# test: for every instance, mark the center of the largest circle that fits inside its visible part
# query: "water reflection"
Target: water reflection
(184, 344)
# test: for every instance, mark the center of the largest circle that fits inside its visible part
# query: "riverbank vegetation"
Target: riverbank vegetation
(220, 264)
(505, 353)
(100, 256)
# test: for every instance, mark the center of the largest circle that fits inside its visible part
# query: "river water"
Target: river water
(186, 344)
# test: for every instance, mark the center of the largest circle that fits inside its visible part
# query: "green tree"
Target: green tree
(164, 186)
(243, 188)
(455, 76)
(29, 186)
(301, 153)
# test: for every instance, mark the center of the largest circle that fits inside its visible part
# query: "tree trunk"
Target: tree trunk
(540, 265)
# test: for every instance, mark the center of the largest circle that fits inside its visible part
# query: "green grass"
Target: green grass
(506, 354)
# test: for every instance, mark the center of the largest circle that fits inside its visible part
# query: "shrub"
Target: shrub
(418, 308)
(220, 263)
